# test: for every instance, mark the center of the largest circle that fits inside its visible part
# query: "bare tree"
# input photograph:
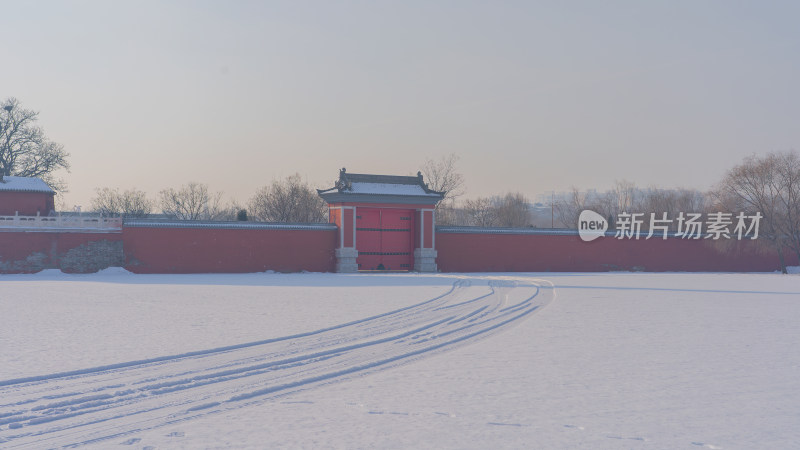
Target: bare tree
(441, 175)
(624, 193)
(480, 212)
(756, 186)
(234, 212)
(626, 197)
(289, 200)
(691, 200)
(448, 214)
(670, 201)
(192, 202)
(25, 151)
(130, 204)
(788, 176)
(509, 210)
(568, 207)
(512, 210)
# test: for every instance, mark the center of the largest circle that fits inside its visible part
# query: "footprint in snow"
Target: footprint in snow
(176, 434)
(627, 438)
(131, 441)
(503, 424)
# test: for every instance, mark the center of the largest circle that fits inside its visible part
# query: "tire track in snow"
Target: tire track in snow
(95, 404)
(457, 285)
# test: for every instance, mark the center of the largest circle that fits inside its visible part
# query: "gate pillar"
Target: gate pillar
(345, 218)
(425, 251)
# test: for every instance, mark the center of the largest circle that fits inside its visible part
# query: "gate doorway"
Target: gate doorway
(385, 238)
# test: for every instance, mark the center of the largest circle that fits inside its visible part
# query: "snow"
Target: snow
(59, 322)
(388, 189)
(582, 361)
(113, 271)
(24, 184)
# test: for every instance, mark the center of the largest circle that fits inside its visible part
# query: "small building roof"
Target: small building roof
(369, 188)
(24, 184)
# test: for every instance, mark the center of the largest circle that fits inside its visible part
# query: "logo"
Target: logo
(591, 225)
(718, 225)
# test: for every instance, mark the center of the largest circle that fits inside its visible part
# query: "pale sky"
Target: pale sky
(534, 96)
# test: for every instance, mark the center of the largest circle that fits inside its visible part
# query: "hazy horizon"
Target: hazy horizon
(533, 96)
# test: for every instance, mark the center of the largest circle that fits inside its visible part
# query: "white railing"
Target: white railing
(62, 222)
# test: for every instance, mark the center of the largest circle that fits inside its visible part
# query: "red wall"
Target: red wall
(17, 247)
(461, 252)
(210, 250)
(26, 203)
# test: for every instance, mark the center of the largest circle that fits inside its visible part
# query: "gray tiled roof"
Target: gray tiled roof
(145, 223)
(24, 184)
(360, 187)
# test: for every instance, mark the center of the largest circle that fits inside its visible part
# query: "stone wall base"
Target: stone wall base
(425, 260)
(346, 260)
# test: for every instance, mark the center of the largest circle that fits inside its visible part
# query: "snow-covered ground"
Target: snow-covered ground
(400, 361)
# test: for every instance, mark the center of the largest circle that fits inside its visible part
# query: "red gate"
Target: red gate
(385, 239)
